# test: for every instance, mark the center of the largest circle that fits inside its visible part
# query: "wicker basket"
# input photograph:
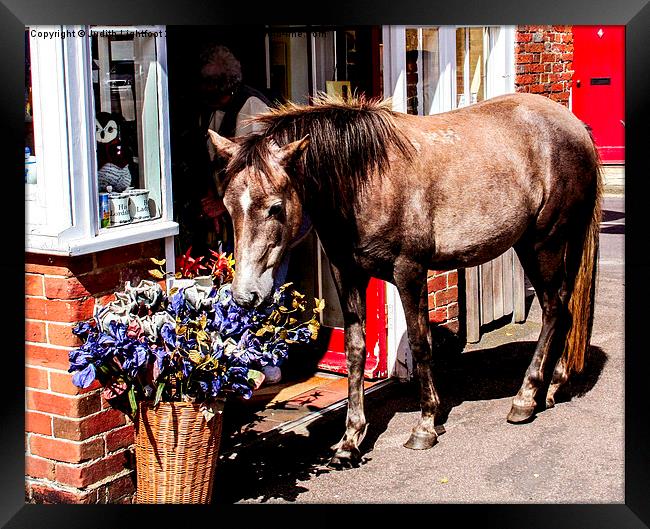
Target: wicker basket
(176, 453)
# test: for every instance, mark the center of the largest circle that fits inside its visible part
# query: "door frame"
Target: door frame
(334, 359)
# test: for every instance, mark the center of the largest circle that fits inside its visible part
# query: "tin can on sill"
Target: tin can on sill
(104, 211)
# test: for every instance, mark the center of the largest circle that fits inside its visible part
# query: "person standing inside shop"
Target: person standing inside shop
(228, 104)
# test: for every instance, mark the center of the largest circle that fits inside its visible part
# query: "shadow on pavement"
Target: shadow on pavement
(498, 372)
(273, 470)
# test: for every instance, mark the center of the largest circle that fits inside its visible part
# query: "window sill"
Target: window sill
(114, 238)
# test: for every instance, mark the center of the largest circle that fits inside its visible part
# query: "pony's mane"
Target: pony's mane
(349, 140)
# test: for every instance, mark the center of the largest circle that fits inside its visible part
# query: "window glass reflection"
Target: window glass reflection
(125, 90)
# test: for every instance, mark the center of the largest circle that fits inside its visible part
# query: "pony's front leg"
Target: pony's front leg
(411, 282)
(351, 289)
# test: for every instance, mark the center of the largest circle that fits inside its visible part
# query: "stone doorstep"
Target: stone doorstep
(277, 421)
(613, 175)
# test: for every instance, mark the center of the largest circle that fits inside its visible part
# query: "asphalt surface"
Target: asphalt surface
(573, 453)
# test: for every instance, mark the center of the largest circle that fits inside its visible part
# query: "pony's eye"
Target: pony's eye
(275, 210)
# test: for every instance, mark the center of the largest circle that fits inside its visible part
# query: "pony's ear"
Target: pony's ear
(224, 147)
(291, 152)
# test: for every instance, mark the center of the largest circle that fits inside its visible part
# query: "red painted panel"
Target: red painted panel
(377, 354)
(598, 95)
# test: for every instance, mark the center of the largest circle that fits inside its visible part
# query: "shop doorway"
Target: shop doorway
(286, 63)
(303, 62)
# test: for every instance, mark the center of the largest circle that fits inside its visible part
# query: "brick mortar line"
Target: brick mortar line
(141, 260)
(39, 367)
(57, 394)
(57, 416)
(91, 462)
(50, 346)
(71, 300)
(100, 435)
(74, 490)
(50, 369)
(57, 276)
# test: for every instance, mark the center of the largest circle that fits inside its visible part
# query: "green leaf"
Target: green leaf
(195, 356)
(255, 378)
(320, 305)
(159, 392)
(157, 274)
(159, 262)
(132, 401)
(313, 327)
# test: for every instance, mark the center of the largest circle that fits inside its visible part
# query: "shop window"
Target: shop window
(125, 96)
(422, 69)
(84, 84)
(31, 176)
(470, 65)
(289, 64)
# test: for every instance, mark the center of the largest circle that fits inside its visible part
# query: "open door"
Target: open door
(310, 272)
(332, 320)
(300, 63)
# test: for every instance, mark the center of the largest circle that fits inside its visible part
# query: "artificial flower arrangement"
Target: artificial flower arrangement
(192, 344)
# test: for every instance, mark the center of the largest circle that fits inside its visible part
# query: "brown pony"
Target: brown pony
(392, 195)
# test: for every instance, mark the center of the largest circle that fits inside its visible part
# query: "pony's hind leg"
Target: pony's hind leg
(560, 376)
(545, 269)
(573, 257)
(351, 289)
(410, 279)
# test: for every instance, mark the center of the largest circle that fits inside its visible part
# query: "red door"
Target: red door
(376, 352)
(598, 96)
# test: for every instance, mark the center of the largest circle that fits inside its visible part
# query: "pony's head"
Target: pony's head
(265, 208)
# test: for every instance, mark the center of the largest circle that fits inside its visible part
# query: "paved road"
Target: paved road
(573, 453)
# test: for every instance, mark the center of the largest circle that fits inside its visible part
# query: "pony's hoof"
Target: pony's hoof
(550, 403)
(421, 441)
(345, 459)
(520, 414)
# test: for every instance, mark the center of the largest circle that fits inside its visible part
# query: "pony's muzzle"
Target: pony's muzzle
(250, 290)
(247, 299)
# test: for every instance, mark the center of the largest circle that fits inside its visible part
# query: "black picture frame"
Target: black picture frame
(634, 14)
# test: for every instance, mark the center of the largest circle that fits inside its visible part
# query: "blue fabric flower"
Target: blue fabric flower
(168, 333)
(82, 329)
(85, 377)
(208, 327)
(301, 334)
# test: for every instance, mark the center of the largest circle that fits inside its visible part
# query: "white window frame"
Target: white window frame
(61, 217)
(501, 61)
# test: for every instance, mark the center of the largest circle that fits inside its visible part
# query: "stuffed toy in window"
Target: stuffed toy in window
(113, 157)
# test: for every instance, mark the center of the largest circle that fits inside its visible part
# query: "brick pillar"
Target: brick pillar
(78, 449)
(443, 299)
(544, 61)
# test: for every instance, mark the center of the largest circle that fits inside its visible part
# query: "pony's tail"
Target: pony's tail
(581, 303)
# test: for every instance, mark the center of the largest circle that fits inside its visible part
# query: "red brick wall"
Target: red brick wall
(544, 61)
(77, 449)
(443, 299)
